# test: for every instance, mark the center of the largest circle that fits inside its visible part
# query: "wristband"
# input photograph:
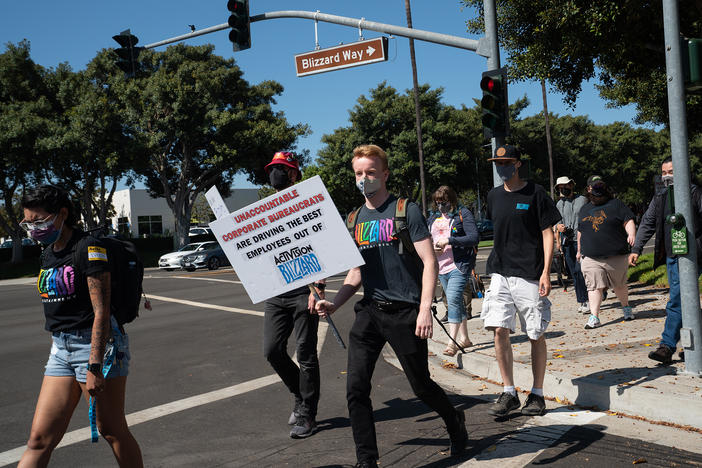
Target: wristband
(320, 286)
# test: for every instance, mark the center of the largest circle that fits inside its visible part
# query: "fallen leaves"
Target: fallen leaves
(639, 461)
(449, 365)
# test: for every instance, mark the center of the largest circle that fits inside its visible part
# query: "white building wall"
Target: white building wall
(132, 203)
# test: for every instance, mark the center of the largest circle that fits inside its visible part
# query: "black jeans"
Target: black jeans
(370, 331)
(570, 250)
(281, 317)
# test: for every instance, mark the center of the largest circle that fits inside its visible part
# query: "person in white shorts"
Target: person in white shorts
(523, 216)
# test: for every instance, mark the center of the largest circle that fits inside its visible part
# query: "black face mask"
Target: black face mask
(599, 190)
(566, 192)
(279, 178)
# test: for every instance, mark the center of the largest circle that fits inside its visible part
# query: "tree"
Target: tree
(452, 141)
(24, 110)
(619, 43)
(199, 122)
(90, 152)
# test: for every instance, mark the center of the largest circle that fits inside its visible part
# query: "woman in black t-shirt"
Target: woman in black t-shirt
(606, 230)
(74, 286)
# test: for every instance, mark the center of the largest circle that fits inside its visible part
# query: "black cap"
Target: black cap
(506, 152)
(594, 178)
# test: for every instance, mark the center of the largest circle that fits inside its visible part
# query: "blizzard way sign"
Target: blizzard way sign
(343, 56)
(287, 240)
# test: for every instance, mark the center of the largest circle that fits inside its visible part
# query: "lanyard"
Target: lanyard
(107, 364)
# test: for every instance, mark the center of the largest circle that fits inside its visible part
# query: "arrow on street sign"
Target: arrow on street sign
(343, 56)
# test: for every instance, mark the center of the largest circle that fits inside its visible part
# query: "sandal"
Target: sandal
(465, 344)
(450, 350)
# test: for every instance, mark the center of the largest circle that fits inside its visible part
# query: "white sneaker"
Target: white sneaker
(586, 308)
(592, 322)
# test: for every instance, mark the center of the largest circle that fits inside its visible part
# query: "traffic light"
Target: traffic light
(691, 53)
(239, 21)
(128, 53)
(494, 103)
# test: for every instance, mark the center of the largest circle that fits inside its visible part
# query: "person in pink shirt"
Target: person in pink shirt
(454, 236)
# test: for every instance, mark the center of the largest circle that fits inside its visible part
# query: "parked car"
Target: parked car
(485, 229)
(25, 242)
(199, 231)
(212, 257)
(171, 261)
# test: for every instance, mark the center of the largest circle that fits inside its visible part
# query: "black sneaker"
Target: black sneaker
(504, 404)
(663, 354)
(366, 464)
(534, 406)
(296, 413)
(459, 438)
(304, 427)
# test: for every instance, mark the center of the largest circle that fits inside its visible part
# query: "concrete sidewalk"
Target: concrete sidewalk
(607, 368)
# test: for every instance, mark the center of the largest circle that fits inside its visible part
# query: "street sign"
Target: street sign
(343, 56)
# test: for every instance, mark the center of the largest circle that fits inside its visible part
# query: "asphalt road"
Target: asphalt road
(201, 394)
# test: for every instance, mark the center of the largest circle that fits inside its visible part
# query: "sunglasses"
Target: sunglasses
(38, 225)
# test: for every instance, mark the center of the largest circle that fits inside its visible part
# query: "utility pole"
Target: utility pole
(493, 63)
(691, 332)
(548, 137)
(417, 109)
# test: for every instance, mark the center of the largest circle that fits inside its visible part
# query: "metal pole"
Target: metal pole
(548, 137)
(420, 35)
(691, 333)
(493, 62)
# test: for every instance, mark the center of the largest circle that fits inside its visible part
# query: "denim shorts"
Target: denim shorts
(70, 352)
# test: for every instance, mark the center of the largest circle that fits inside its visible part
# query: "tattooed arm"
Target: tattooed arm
(99, 289)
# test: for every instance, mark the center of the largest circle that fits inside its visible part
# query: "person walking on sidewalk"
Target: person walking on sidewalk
(454, 236)
(605, 231)
(398, 288)
(523, 216)
(291, 311)
(569, 205)
(653, 222)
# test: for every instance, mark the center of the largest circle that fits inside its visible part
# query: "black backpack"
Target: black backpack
(127, 276)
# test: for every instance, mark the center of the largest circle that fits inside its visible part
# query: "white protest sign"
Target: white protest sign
(287, 240)
(214, 198)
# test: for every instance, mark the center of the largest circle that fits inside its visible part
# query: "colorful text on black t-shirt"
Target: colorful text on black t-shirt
(57, 284)
(374, 232)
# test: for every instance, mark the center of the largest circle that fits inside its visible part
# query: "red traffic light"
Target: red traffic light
(491, 84)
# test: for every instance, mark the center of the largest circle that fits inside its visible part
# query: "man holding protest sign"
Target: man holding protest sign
(398, 280)
(291, 311)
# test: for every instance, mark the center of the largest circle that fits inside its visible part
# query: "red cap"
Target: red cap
(284, 158)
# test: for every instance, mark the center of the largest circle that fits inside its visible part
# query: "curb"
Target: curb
(583, 391)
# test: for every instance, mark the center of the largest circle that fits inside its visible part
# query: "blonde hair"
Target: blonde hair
(370, 151)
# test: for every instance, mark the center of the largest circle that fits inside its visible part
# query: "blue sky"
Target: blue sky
(74, 31)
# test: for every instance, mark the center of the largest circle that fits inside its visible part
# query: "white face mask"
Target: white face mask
(368, 187)
(667, 180)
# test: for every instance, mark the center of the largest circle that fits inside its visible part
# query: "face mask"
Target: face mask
(368, 187)
(443, 207)
(506, 172)
(598, 190)
(47, 235)
(566, 192)
(667, 180)
(279, 178)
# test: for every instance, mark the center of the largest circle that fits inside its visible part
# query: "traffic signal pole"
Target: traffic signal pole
(691, 332)
(493, 63)
(478, 46)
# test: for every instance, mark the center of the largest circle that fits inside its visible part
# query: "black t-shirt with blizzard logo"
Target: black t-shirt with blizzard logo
(63, 288)
(601, 229)
(518, 219)
(387, 275)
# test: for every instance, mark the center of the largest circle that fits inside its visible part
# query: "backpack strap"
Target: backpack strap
(351, 220)
(400, 229)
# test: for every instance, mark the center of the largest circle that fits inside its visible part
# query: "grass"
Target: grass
(643, 272)
(485, 243)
